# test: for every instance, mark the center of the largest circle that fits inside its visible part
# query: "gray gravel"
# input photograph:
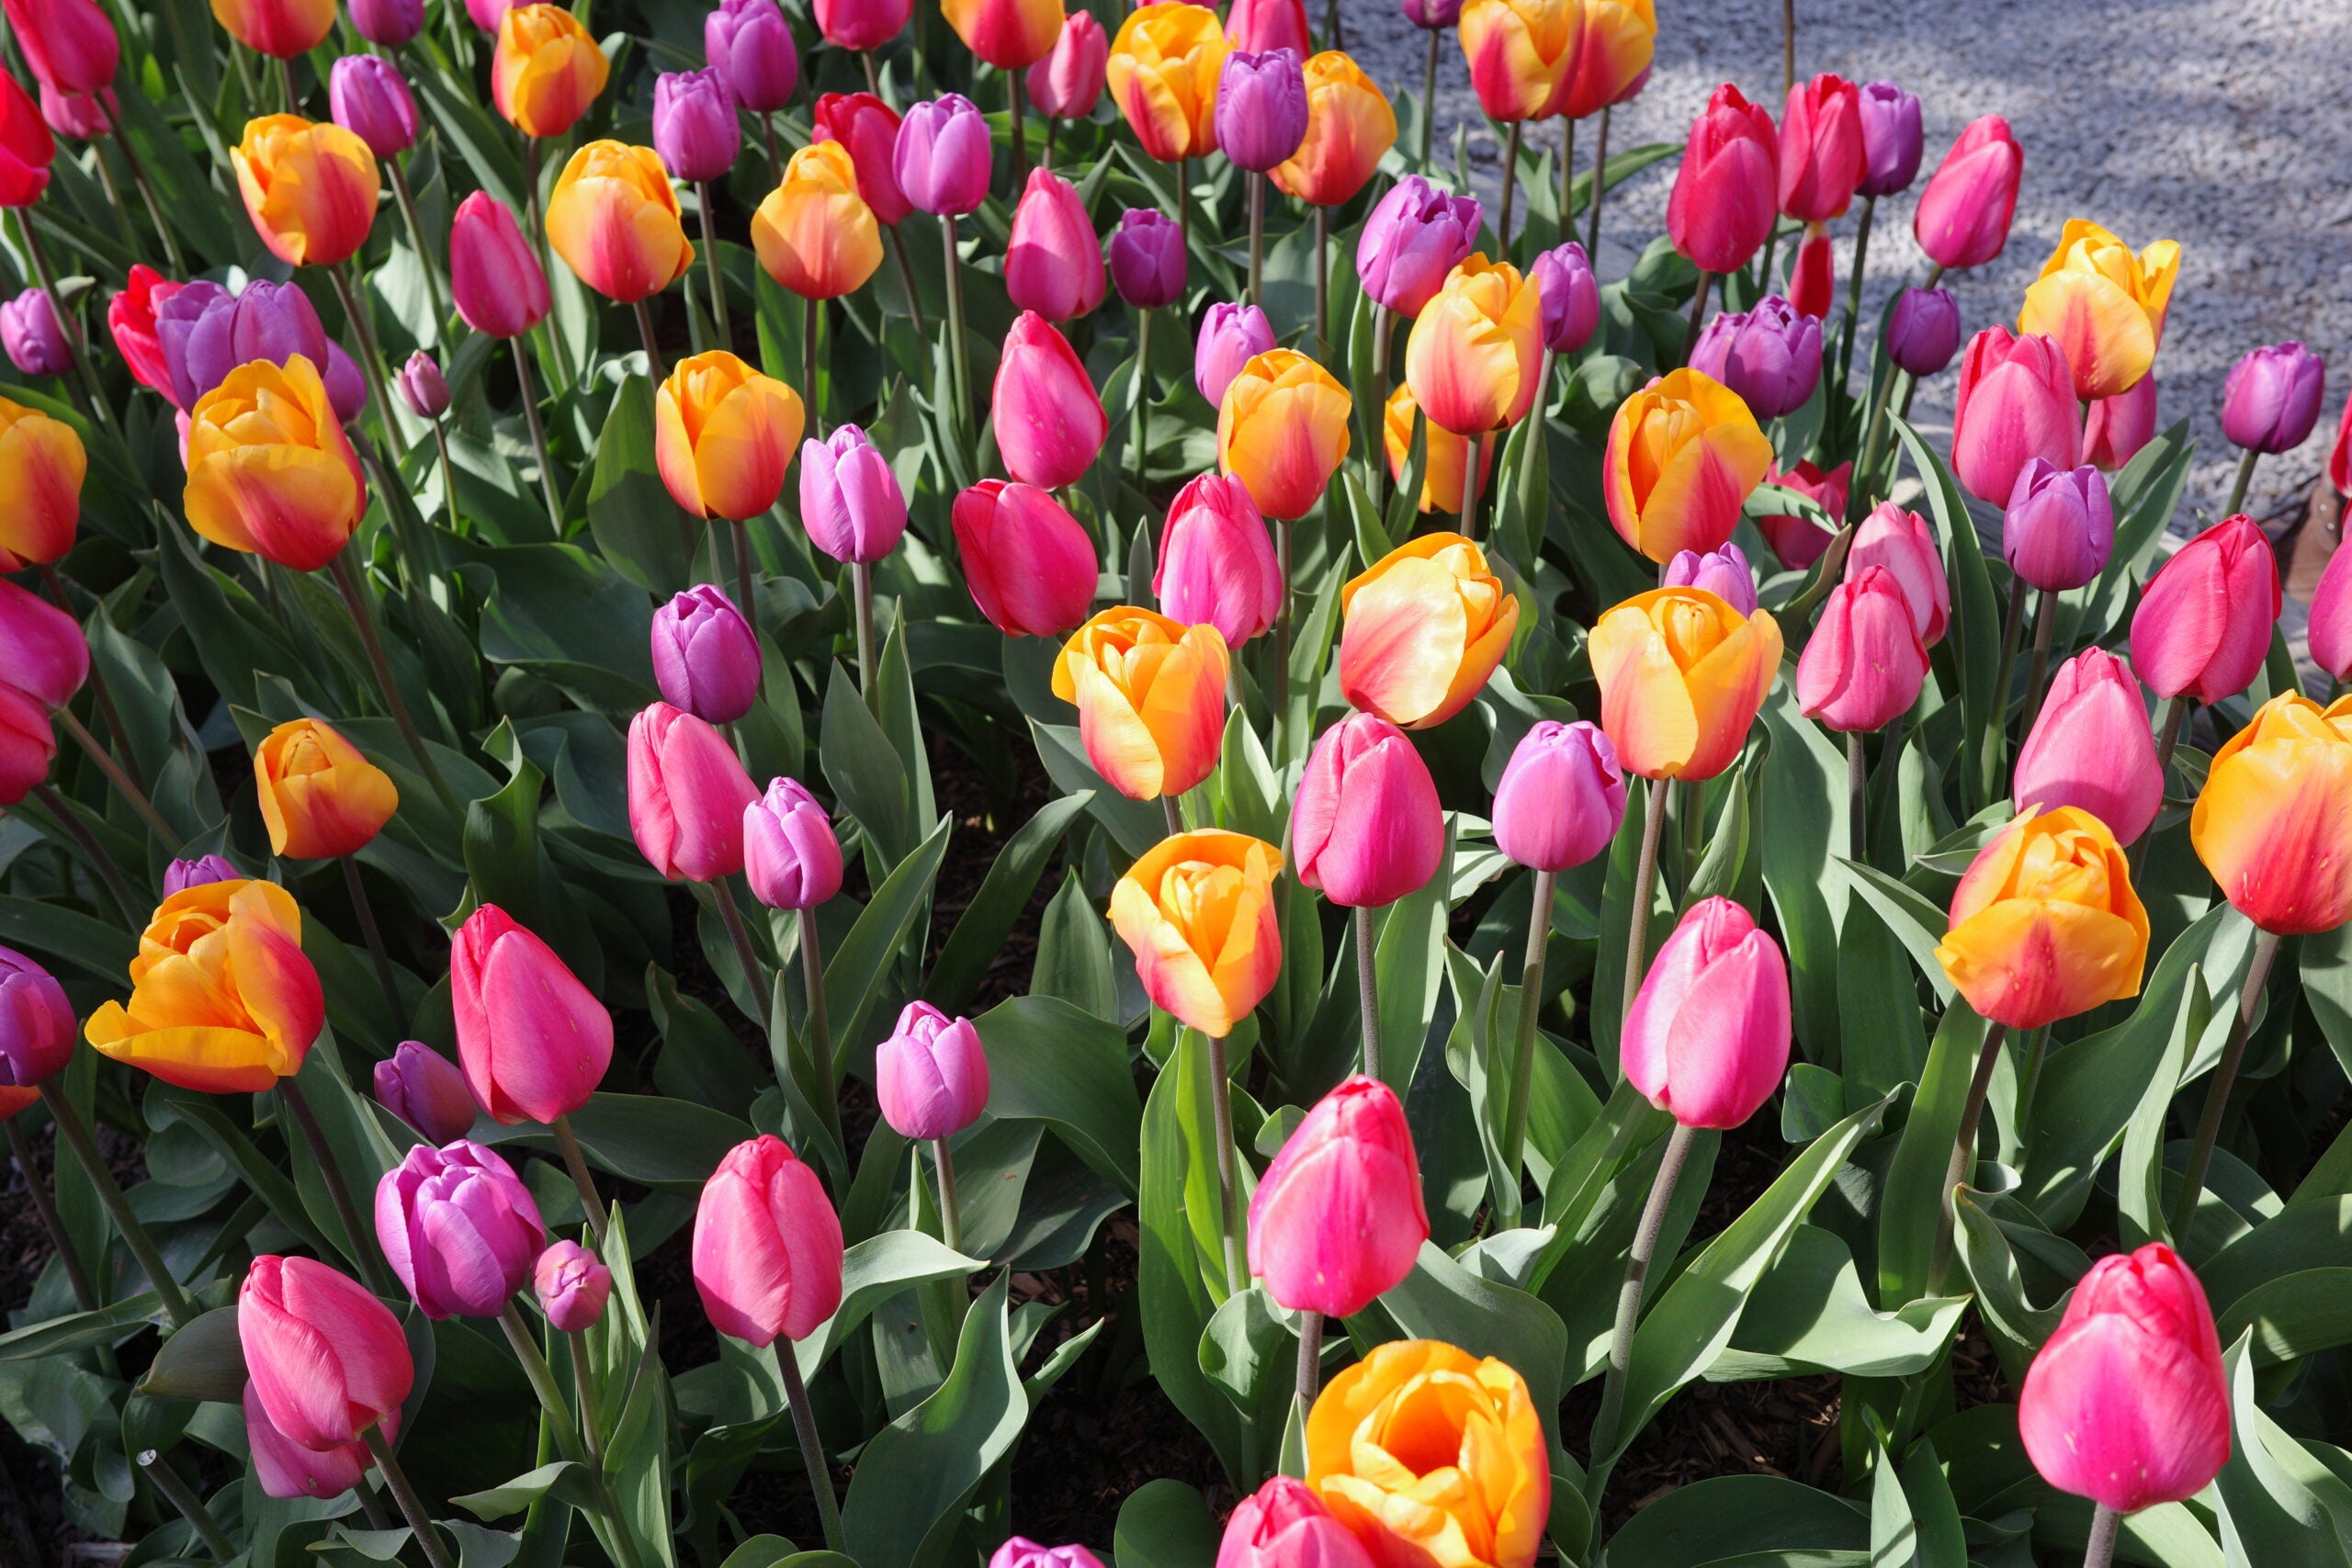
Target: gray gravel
(2218, 123)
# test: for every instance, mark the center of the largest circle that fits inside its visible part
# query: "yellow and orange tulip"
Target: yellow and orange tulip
(1011, 35)
(1475, 356)
(1681, 674)
(42, 468)
(723, 436)
(814, 232)
(2274, 822)
(2103, 305)
(1520, 52)
(1283, 430)
(1162, 74)
(1350, 128)
(1683, 455)
(269, 471)
(613, 219)
(320, 798)
(547, 70)
(1150, 696)
(1620, 37)
(310, 189)
(1444, 463)
(279, 29)
(2045, 924)
(1198, 913)
(1422, 630)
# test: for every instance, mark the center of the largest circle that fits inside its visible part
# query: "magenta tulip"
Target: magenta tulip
(1261, 106)
(2270, 403)
(494, 275)
(791, 856)
(931, 1075)
(850, 499)
(2017, 403)
(422, 386)
(768, 1245)
(1726, 189)
(2090, 747)
(1338, 1218)
(2117, 427)
(1891, 140)
(941, 157)
(1564, 281)
(1067, 82)
(1707, 1040)
(1146, 254)
(459, 1228)
(1049, 420)
(1366, 826)
(327, 1360)
(287, 1469)
(388, 22)
(1924, 332)
(1864, 664)
(570, 1285)
(534, 1041)
(705, 656)
(1561, 799)
(1723, 573)
(1020, 1551)
(1216, 562)
(695, 124)
(1963, 215)
(1414, 236)
(1054, 263)
(426, 1090)
(1030, 565)
(372, 101)
(1284, 1523)
(1901, 542)
(750, 44)
(32, 334)
(1231, 336)
(686, 794)
(36, 1023)
(2204, 622)
(183, 874)
(43, 651)
(2331, 622)
(2059, 527)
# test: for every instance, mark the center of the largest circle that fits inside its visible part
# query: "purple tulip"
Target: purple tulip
(1261, 107)
(33, 335)
(1433, 14)
(2271, 399)
(705, 657)
(346, 383)
(183, 874)
(372, 101)
(850, 499)
(942, 156)
(694, 128)
(427, 1091)
(791, 857)
(749, 45)
(421, 386)
(1561, 797)
(1770, 355)
(1924, 332)
(931, 1075)
(1231, 336)
(1723, 573)
(2059, 527)
(1891, 140)
(388, 22)
(1146, 254)
(205, 331)
(37, 1024)
(1412, 239)
(459, 1228)
(1571, 298)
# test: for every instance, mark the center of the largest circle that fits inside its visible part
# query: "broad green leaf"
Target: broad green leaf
(1722, 1519)
(1440, 1300)
(1809, 1314)
(979, 935)
(1052, 1062)
(1165, 1524)
(204, 1361)
(1804, 796)
(853, 973)
(562, 1479)
(1911, 1207)
(2267, 1518)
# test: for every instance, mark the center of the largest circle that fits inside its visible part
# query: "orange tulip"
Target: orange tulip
(1198, 913)
(269, 471)
(1422, 630)
(814, 233)
(1150, 696)
(1432, 1458)
(310, 189)
(1162, 72)
(1521, 53)
(1447, 458)
(222, 999)
(1620, 37)
(1011, 35)
(1475, 356)
(2104, 306)
(1283, 432)
(723, 436)
(547, 71)
(613, 219)
(1350, 127)
(281, 28)
(41, 466)
(320, 798)
(2045, 924)
(2274, 822)
(1683, 455)
(1682, 675)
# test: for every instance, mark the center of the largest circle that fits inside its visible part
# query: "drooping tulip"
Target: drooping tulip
(687, 796)
(372, 102)
(2046, 924)
(768, 1245)
(1682, 456)
(2204, 622)
(1725, 196)
(941, 157)
(310, 189)
(1413, 239)
(269, 471)
(545, 71)
(1681, 674)
(1261, 116)
(1198, 913)
(931, 1075)
(424, 1088)
(2090, 747)
(1864, 664)
(1366, 828)
(2274, 822)
(1475, 359)
(1163, 70)
(2059, 527)
(1030, 565)
(1053, 264)
(615, 220)
(850, 499)
(1338, 1218)
(2102, 305)
(1150, 697)
(1723, 573)
(1901, 543)
(705, 656)
(1217, 562)
(1892, 142)
(320, 798)
(1962, 219)
(1350, 128)
(1770, 355)
(459, 1228)
(1231, 336)
(327, 1360)
(1011, 35)
(1707, 1038)
(1924, 332)
(1521, 53)
(2016, 404)
(1796, 538)
(1281, 430)
(1068, 82)
(494, 275)
(791, 857)
(696, 127)
(1561, 797)
(1422, 630)
(1445, 457)
(1821, 159)
(749, 43)
(42, 468)
(1049, 419)
(814, 233)
(571, 1285)
(533, 1040)
(2270, 403)
(869, 128)
(1146, 258)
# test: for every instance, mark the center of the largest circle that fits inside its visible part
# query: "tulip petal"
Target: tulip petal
(1406, 630)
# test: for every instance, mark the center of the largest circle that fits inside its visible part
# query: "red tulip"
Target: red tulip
(1723, 203)
(1030, 565)
(1821, 148)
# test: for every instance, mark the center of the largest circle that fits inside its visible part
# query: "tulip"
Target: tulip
(1011, 35)
(1150, 696)
(1571, 297)
(1366, 823)
(27, 149)
(1216, 563)
(1521, 53)
(34, 337)
(1049, 420)
(1723, 203)
(814, 233)
(862, 24)
(869, 128)
(2090, 748)
(2045, 924)
(723, 436)
(1067, 82)
(1261, 107)
(43, 652)
(281, 28)
(1198, 913)
(36, 1023)
(791, 857)
(694, 126)
(1411, 244)
(687, 796)
(1020, 1551)
(487, 14)
(285, 1468)
(1561, 797)
(2339, 456)
(27, 745)
(1924, 332)
(1053, 264)
(613, 219)
(1475, 359)
(1350, 128)
(1723, 573)
(1231, 336)
(2204, 622)
(1798, 540)
(2331, 617)
(421, 386)
(182, 874)
(371, 102)
(1864, 664)
(2274, 820)
(1146, 254)
(1614, 59)
(269, 471)
(424, 1088)
(850, 499)
(1281, 430)
(41, 466)
(931, 1075)
(2270, 403)
(1433, 15)
(204, 333)
(2016, 404)
(1821, 158)
(2117, 427)
(70, 45)
(2059, 527)
(768, 1245)
(310, 189)
(1963, 215)
(749, 43)
(547, 71)
(1683, 453)
(2103, 306)
(1445, 456)
(705, 656)
(1901, 543)
(572, 1286)
(327, 1360)
(1030, 566)
(941, 158)
(1422, 630)
(1707, 1039)
(1258, 26)
(494, 275)
(1338, 1218)
(222, 1001)
(387, 22)
(1813, 278)
(1770, 356)
(320, 798)
(533, 1040)
(1682, 675)
(1284, 1524)
(131, 320)
(1891, 140)
(1163, 72)
(459, 1228)
(2128, 1404)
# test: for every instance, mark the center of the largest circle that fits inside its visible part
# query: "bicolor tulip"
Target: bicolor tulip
(1683, 455)
(1231, 336)
(1521, 53)
(1821, 158)
(1964, 216)
(1445, 457)
(2045, 924)
(1412, 241)
(1030, 565)
(1163, 70)
(1281, 430)
(1198, 913)
(687, 796)
(705, 656)
(941, 157)
(1924, 332)
(1350, 128)
(2090, 747)
(572, 1286)
(320, 798)
(1681, 674)
(869, 128)
(182, 874)
(694, 124)
(1338, 1218)
(1053, 264)
(533, 1040)
(2274, 822)
(42, 468)
(326, 1359)
(36, 1023)
(424, 1088)
(1892, 142)
(1864, 664)
(422, 386)
(1901, 543)
(2117, 427)
(1723, 573)
(1068, 82)
(1707, 1039)
(1011, 35)
(282, 29)
(1422, 630)
(2270, 403)
(1260, 117)
(749, 43)
(723, 436)
(372, 102)
(545, 71)
(791, 856)
(1284, 1524)
(287, 1469)
(2060, 526)
(1217, 564)
(1049, 419)
(269, 471)
(931, 1077)
(2102, 305)
(1770, 355)
(1365, 824)
(1725, 196)
(2330, 631)
(2204, 622)
(459, 1228)
(310, 189)
(44, 653)
(1614, 59)
(850, 499)
(613, 219)
(1146, 256)
(1561, 799)
(768, 1245)
(1150, 697)
(130, 322)
(27, 149)
(494, 275)
(68, 45)
(2015, 404)
(862, 24)
(1563, 277)
(1475, 359)
(1261, 25)
(814, 233)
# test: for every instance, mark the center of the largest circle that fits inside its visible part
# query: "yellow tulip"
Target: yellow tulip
(1283, 432)
(547, 70)
(613, 219)
(1683, 455)
(1681, 674)
(1350, 127)
(1198, 914)
(2045, 924)
(2103, 305)
(310, 189)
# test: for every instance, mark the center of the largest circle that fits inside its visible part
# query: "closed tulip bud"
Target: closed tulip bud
(388, 22)
(768, 1245)
(1521, 54)
(43, 652)
(1198, 913)
(41, 465)
(1150, 697)
(1770, 355)
(705, 656)
(2017, 403)
(494, 275)
(2045, 924)
(1261, 107)
(942, 156)
(1350, 128)
(1146, 254)
(1231, 336)
(2204, 622)
(1445, 457)
(931, 1075)
(36, 1023)
(424, 1088)
(1163, 71)
(2117, 427)
(1284, 1524)
(1366, 823)
(1682, 675)
(222, 1000)
(285, 1468)
(695, 126)
(320, 798)
(1216, 562)
(281, 28)
(27, 149)
(2273, 823)
(1707, 1038)
(421, 386)
(27, 745)
(33, 335)
(68, 44)
(2339, 456)
(1612, 60)
(749, 43)
(1561, 799)
(1282, 429)
(1475, 359)
(2090, 747)
(862, 24)
(346, 384)
(1068, 82)
(814, 233)
(1338, 1218)
(1723, 573)
(1924, 332)
(1724, 199)
(1683, 455)
(1901, 542)
(1963, 215)
(1054, 263)
(2331, 617)
(613, 219)
(459, 1228)
(1821, 157)
(1422, 630)
(1798, 540)
(545, 74)
(1020, 1551)
(687, 796)
(723, 436)
(2270, 403)
(1049, 419)
(182, 874)
(1258, 26)
(1412, 242)
(850, 499)
(1030, 565)
(572, 1286)
(1571, 298)
(487, 14)
(2127, 1402)
(1891, 139)
(326, 1359)
(310, 189)
(869, 127)
(2059, 527)
(269, 471)
(1812, 280)
(791, 857)
(1433, 15)
(373, 103)
(2102, 305)
(1011, 35)
(1864, 664)
(130, 322)
(533, 1040)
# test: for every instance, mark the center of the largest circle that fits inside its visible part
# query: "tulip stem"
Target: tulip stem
(540, 1376)
(1511, 182)
(2045, 627)
(1257, 186)
(710, 266)
(1629, 1310)
(1698, 313)
(1322, 279)
(2237, 490)
(812, 1451)
(1858, 799)
(1865, 485)
(577, 1164)
(584, 1385)
(365, 621)
(1771, 247)
(1016, 95)
(80, 351)
(1788, 47)
(1964, 1156)
(1368, 985)
(449, 470)
(1854, 293)
(1473, 461)
(1429, 97)
(2168, 741)
(2217, 1094)
(951, 1212)
(182, 1496)
(1568, 174)
(101, 863)
(420, 1523)
(1693, 795)
(965, 419)
(821, 1035)
(1638, 931)
(907, 275)
(862, 582)
(1174, 806)
(2105, 1524)
(139, 178)
(539, 436)
(645, 335)
(1310, 1360)
(374, 937)
(75, 1134)
(873, 77)
(1523, 1071)
(120, 776)
(370, 362)
(407, 198)
(1183, 208)
(755, 979)
(1599, 189)
(776, 158)
(346, 1212)
(1228, 1224)
(70, 1261)
(1143, 397)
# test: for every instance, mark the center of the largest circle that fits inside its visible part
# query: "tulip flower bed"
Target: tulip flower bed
(885, 785)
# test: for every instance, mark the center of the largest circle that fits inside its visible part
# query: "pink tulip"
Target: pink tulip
(2118, 426)
(533, 1040)
(941, 158)
(1561, 799)
(68, 45)
(1337, 1218)
(494, 275)
(2017, 403)
(2060, 526)
(768, 1245)
(1901, 543)
(791, 856)
(1049, 420)
(287, 1469)
(931, 1075)
(2331, 623)
(1964, 214)
(1067, 82)
(705, 656)
(43, 652)
(1864, 664)
(862, 24)
(1256, 26)
(1366, 826)
(2204, 622)
(327, 1360)
(687, 796)
(1284, 1524)
(850, 499)
(1054, 263)
(1216, 562)
(424, 1088)
(1707, 1040)
(2127, 1402)
(1800, 541)
(2091, 747)
(459, 1228)
(1020, 1551)
(572, 1286)
(1031, 565)
(1231, 336)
